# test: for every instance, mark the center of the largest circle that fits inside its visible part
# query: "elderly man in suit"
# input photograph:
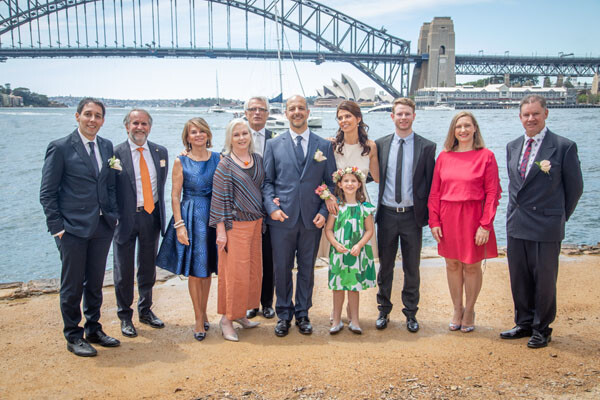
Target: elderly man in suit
(141, 205)
(406, 162)
(545, 184)
(296, 162)
(78, 196)
(257, 112)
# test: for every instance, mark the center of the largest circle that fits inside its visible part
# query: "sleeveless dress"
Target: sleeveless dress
(352, 157)
(347, 272)
(199, 259)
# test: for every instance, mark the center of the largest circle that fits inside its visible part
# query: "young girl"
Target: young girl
(351, 265)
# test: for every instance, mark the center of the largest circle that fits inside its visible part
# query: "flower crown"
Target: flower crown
(337, 175)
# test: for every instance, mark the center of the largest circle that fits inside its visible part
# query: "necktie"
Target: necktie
(523, 167)
(299, 152)
(399, 172)
(146, 184)
(94, 159)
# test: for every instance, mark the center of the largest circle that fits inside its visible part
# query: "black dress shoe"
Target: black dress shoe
(251, 313)
(80, 347)
(127, 328)
(149, 318)
(382, 321)
(102, 339)
(268, 312)
(539, 340)
(412, 325)
(282, 328)
(516, 333)
(304, 325)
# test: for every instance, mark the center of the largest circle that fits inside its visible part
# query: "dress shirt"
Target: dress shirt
(87, 148)
(535, 146)
(304, 143)
(135, 156)
(259, 140)
(389, 193)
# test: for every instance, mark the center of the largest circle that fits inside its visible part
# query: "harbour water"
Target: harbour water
(28, 250)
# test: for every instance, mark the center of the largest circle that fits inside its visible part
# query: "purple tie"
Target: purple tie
(523, 167)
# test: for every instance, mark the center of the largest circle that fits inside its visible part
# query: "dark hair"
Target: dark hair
(360, 194)
(451, 142)
(533, 98)
(88, 100)
(363, 137)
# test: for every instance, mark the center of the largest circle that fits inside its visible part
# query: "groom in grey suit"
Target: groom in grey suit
(294, 167)
(545, 184)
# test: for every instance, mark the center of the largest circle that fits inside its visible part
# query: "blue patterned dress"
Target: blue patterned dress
(199, 259)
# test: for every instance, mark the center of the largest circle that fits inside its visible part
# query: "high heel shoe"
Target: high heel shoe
(336, 329)
(231, 337)
(468, 328)
(454, 327)
(199, 336)
(247, 324)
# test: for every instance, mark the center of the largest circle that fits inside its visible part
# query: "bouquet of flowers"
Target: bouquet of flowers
(323, 191)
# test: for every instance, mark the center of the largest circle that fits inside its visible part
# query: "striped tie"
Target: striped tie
(523, 167)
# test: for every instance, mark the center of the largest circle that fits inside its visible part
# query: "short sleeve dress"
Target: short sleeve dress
(347, 272)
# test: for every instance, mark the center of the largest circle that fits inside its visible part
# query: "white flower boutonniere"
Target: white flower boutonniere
(274, 134)
(544, 166)
(318, 157)
(115, 163)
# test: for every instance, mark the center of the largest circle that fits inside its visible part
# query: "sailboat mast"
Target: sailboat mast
(217, 79)
(279, 44)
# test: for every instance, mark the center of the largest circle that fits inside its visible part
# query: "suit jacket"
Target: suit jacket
(539, 206)
(126, 190)
(268, 135)
(422, 173)
(71, 195)
(294, 187)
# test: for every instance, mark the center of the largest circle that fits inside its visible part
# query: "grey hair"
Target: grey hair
(533, 98)
(229, 135)
(127, 118)
(261, 98)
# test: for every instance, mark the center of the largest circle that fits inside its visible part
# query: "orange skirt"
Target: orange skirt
(240, 270)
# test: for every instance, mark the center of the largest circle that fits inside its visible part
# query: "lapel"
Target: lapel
(82, 152)
(313, 143)
(547, 148)
(127, 161)
(416, 153)
(288, 142)
(268, 135)
(514, 152)
(385, 154)
(104, 155)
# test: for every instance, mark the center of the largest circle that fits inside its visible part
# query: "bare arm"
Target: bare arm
(177, 185)
(373, 161)
(369, 229)
(329, 235)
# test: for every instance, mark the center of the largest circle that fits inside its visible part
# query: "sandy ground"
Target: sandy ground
(391, 364)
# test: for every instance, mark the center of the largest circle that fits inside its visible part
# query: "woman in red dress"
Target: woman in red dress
(462, 206)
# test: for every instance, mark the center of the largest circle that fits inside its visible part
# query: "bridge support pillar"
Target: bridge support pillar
(596, 83)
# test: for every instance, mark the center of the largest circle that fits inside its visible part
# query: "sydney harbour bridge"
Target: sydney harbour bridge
(238, 29)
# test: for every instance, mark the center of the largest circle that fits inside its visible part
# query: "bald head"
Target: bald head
(296, 111)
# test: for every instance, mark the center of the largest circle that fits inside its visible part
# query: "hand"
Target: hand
(481, 236)
(276, 202)
(319, 221)
(184, 152)
(60, 235)
(332, 205)
(221, 241)
(182, 236)
(278, 215)
(355, 250)
(436, 232)
(331, 139)
(339, 248)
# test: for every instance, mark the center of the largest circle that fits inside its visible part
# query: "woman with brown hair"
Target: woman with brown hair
(462, 206)
(188, 247)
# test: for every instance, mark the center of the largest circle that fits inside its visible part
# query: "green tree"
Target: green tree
(582, 98)
(547, 82)
(568, 84)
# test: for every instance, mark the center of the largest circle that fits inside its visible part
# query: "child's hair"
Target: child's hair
(337, 177)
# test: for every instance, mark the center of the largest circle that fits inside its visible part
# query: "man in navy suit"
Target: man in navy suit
(78, 196)
(296, 162)
(257, 112)
(141, 204)
(545, 184)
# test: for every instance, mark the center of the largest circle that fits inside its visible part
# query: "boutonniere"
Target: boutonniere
(115, 163)
(318, 157)
(544, 166)
(163, 163)
(275, 134)
(323, 191)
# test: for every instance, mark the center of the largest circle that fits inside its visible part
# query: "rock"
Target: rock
(12, 292)
(41, 286)
(11, 285)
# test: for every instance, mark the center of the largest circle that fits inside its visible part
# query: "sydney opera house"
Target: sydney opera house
(347, 89)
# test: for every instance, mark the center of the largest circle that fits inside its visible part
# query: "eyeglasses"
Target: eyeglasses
(255, 109)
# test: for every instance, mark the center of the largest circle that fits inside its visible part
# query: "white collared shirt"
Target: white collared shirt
(535, 146)
(135, 156)
(87, 148)
(259, 140)
(389, 192)
(304, 143)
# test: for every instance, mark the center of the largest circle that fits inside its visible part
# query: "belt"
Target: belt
(141, 208)
(397, 209)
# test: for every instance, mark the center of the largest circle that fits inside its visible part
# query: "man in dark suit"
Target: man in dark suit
(78, 196)
(141, 203)
(296, 162)
(406, 162)
(257, 112)
(545, 184)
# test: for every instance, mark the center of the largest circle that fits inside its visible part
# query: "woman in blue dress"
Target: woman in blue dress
(189, 246)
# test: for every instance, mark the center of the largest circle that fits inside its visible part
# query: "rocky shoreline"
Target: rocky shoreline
(19, 290)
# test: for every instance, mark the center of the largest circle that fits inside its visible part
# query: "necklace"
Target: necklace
(240, 160)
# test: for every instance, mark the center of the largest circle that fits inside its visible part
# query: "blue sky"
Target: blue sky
(520, 27)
